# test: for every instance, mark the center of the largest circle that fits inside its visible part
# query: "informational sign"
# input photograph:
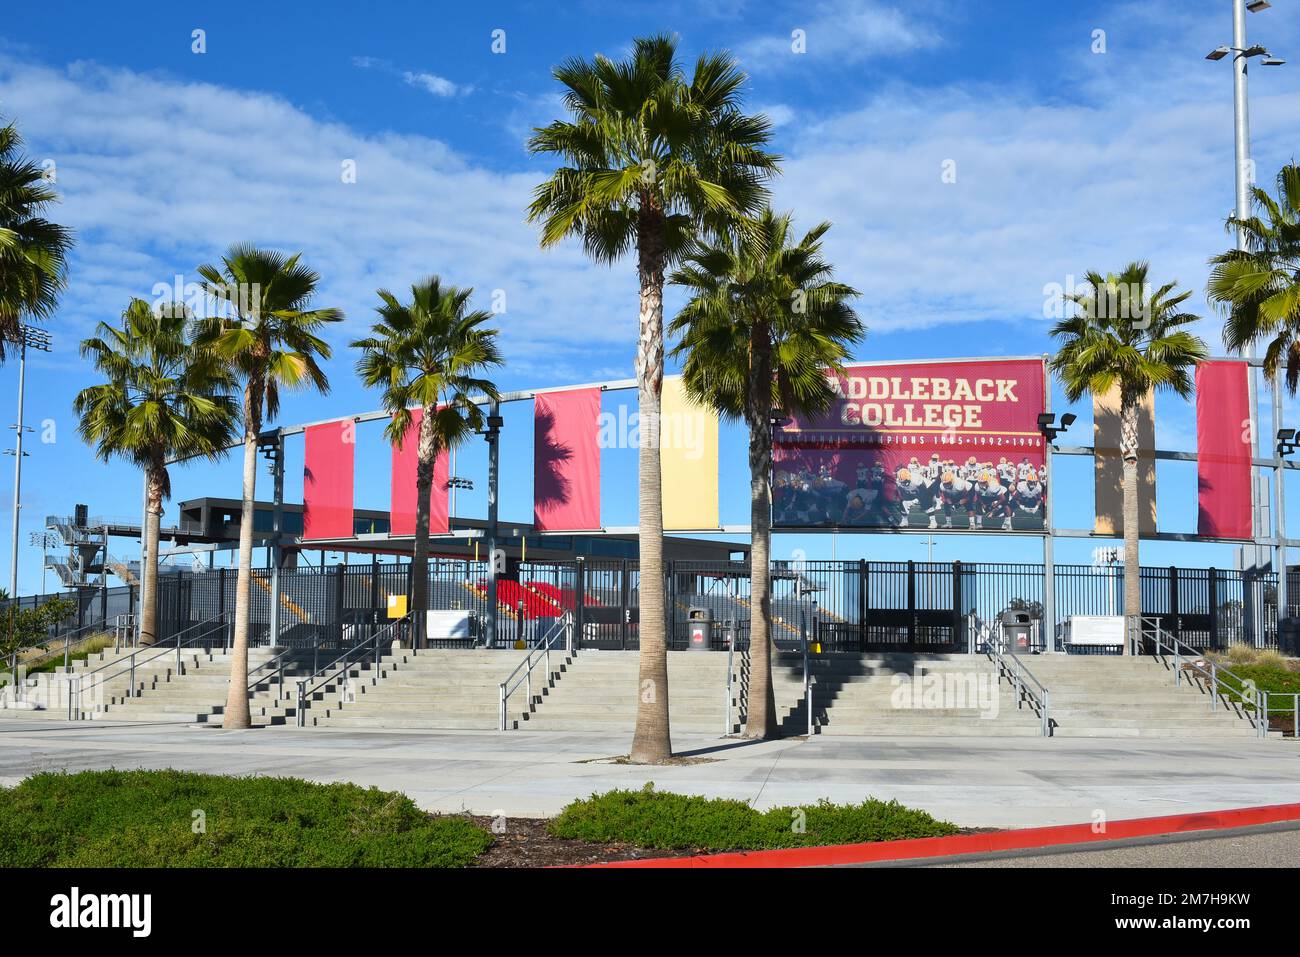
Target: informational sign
(948, 445)
(1096, 630)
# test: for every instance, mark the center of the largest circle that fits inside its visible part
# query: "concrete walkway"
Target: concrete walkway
(974, 782)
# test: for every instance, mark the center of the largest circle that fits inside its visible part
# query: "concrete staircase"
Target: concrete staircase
(900, 696)
(599, 693)
(435, 688)
(185, 691)
(1104, 696)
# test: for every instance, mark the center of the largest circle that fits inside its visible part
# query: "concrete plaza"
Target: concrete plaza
(974, 782)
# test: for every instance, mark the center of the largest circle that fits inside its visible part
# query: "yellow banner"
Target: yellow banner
(1110, 467)
(688, 450)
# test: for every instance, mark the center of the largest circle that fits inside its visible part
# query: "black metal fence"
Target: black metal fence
(849, 606)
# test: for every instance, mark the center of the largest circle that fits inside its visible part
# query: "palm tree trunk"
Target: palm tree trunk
(1129, 453)
(157, 481)
(236, 714)
(761, 704)
(426, 452)
(652, 741)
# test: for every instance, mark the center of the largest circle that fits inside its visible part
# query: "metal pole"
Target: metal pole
(493, 435)
(1279, 509)
(18, 470)
(1049, 560)
(277, 524)
(1241, 140)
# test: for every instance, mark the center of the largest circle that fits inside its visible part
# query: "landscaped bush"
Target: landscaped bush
(665, 821)
(91, 646)
(178, 819)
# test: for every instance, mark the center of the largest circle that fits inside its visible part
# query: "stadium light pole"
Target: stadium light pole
(1050, 430)
(25, 337)
(493, 434)
(1286, 444)
(1241, 56)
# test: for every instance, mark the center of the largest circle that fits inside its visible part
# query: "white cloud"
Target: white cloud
(839, 31)
(159, 175)
(432, 83)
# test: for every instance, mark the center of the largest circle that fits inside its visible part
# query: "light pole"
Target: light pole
(493, 434)
(46, 540)
(25, 337)
(1241, 57)
(1286, 444)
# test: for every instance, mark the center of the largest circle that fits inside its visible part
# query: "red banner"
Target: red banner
(1223, 450)
(403, 497)
(566, 460)
(949, 445)
(327, 480)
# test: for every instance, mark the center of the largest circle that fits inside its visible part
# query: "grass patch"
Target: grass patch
(150, 819)
(91, 646)
(664, 821)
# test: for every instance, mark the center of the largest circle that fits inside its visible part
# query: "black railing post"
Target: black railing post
(338, 601)
(911, 603)
(956, 605)
(1177, 628)
(1214, 608)
(624, 598)
(579, 600)
(864, 576)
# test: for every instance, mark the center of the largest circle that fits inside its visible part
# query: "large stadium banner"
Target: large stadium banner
(950, 445)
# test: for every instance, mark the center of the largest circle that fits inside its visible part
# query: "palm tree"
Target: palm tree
(764, 323)
(1124, 335)
(652, 160)
(269, 337)
(164, 397)
(33, 250)
(1259, 286)
(429, 354)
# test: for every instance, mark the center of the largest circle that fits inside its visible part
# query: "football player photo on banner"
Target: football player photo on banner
(948, 445)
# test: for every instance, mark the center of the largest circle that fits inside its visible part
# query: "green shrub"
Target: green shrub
(666, 821)
(149, 819)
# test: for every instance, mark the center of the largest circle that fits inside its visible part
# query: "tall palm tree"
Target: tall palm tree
(764, 322)
(33, 250)
(651, 160)
(1259, 286)
(430, 354)
(1127, 336)
(270, 338)
(163, 397)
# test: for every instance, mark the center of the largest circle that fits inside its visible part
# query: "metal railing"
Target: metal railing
(1141, 630)
(1009, 666)
(540, 651)
(174, 645)
(341, 666)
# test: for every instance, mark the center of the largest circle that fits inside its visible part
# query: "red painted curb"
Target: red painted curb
(1033, 837)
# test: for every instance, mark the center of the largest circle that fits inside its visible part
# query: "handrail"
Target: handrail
(563, 625)
(161, 650)
(278, 671)
(1016, 673)
(1186, 658)
(328, 671)
(726, 690)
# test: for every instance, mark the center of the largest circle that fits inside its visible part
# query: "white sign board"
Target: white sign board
(1096, 630)
(447, 624)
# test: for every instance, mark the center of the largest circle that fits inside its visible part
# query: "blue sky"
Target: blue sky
(1067, 157)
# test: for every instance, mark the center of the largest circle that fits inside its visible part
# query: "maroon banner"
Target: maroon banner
(403, 497)
(566, 460)
(1223, 450)
(948, 444)
(327, 480)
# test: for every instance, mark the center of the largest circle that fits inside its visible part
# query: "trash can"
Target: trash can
(1288, 637)
(699, 622)
(1017, 631)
